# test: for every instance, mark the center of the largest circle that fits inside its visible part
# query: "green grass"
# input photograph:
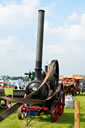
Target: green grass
(43, 121)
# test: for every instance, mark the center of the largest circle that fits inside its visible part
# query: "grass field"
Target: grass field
(65, 121)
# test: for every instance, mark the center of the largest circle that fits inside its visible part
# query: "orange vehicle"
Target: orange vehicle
(71, 84)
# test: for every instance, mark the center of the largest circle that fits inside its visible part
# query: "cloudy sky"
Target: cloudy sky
(64, 35)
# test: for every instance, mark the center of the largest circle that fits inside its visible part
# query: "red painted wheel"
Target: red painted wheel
(62, 103)
(55, 114)
(20, 113)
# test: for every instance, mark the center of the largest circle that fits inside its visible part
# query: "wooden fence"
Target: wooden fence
(77, 115)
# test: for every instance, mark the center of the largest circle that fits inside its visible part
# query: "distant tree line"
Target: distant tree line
(12, 78)
(29, 75)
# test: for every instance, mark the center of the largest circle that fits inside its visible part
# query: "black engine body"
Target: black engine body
(42, 93)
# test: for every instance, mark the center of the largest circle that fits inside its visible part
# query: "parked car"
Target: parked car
(83, 87)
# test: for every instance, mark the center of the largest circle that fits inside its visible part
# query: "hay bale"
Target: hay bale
(69, 101)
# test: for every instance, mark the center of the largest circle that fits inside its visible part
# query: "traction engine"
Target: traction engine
(54, 106)
(44, 93)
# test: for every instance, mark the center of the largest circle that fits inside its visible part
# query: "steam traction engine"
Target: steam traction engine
(43, 94)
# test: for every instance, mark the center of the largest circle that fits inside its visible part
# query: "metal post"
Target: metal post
(39, 49)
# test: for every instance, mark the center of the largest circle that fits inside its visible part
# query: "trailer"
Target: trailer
(71, 84)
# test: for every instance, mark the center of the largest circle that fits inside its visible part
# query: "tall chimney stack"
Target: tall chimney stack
(39, 49)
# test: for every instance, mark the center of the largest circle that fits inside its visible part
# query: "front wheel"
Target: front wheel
(20, 114)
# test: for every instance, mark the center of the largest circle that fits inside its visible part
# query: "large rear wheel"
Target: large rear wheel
(54, 76)
(62, 103)
(55, 113)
